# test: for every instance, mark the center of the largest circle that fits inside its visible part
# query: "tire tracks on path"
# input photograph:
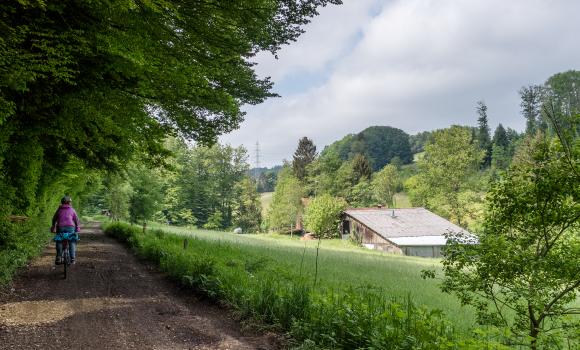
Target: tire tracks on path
(112, 301)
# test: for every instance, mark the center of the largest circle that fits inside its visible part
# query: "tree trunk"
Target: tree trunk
(534, 334)
(534, 328)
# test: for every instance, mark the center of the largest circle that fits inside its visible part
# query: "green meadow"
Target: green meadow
(341, 265)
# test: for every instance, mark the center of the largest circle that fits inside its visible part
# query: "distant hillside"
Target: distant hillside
(256, 172)
(380, 144)
(265, 178)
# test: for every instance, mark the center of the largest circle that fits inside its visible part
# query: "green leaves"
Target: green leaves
(449, 161)
(525, 272)
(106, 81)
(322, 216)
(286, 204)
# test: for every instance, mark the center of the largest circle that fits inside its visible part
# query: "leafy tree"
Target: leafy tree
(562, 99)
(344, 179)
(360, 195)
(97, 83)
(564, 91)
(446, 167)
(248, 209)
(286, 201)
(361, 168)
(385, 184)
(380, 144)
(396, 162)
(267, 181)
(531, 100)
(329, 173)
(483, 137)
(418, 190)
(146, 197)
(322, 216)
(419, 141)
(207, 181)
(304, 155)
(500, 158)
(528, 257)
(117, 194)
(214, 222)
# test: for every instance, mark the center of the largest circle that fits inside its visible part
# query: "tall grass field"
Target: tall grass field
(347, 298)
(341, 265)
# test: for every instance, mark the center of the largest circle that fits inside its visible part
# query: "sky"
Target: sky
(411, 64)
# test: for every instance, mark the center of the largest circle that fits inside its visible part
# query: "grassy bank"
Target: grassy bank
(342, 264)
(273, 282)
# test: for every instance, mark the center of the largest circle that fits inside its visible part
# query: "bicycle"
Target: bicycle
(66, 259)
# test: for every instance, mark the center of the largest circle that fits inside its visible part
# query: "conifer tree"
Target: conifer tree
(483, 136)
(500, 137)
(304, 155)
(500, 154)
(362, 168)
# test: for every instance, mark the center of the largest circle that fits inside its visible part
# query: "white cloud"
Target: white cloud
(326, 39)
(417, 65)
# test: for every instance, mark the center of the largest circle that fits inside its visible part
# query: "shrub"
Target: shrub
(323, 215)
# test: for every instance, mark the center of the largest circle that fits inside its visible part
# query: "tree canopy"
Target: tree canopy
(528, 257)
(448, 163)
(101, 80)
(380, 144)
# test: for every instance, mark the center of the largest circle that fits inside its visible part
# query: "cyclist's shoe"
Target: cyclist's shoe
(58, 261)
(72, 261)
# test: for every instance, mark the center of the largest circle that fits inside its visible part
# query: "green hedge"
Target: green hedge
(268, 292)
(20, 242)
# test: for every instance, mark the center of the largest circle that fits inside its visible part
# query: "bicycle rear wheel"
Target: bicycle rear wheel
(65, 257)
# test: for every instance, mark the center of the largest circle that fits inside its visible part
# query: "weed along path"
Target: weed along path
(112, 301)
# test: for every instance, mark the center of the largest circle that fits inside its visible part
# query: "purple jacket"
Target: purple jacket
(66, 216)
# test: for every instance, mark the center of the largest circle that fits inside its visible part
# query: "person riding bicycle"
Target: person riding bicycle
(65, 223)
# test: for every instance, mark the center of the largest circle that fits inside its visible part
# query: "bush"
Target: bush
(323, 215)
(20, 242)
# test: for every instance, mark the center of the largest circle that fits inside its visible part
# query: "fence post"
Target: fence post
(185, 243)
(144, 227)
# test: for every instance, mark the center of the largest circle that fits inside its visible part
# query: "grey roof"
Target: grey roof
(408, 222)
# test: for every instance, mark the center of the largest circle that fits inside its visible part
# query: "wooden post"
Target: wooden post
(144, 227)
(18, 218)
(185, 243)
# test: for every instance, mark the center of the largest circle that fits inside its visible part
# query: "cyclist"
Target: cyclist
(65, 223)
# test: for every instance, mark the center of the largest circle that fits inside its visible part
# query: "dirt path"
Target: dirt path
(111, 301)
